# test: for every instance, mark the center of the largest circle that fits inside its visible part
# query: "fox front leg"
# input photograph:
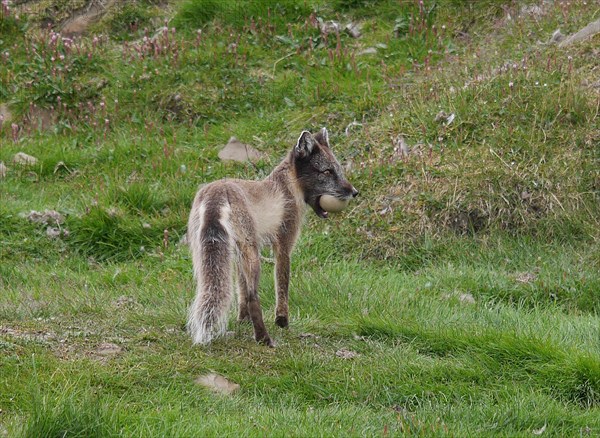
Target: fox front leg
(282, 283)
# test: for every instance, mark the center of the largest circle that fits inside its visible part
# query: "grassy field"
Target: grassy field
(459, 295)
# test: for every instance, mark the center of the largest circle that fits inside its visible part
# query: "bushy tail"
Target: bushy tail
(212, 258)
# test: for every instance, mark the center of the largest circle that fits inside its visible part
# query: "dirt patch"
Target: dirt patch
(346, 354)
(107, 349)
(37, 336)
(126, 302)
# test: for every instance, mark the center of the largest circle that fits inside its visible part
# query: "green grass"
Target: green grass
(465, 277)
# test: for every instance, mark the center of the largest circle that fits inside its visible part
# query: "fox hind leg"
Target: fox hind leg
(242, 288)
(250, 271)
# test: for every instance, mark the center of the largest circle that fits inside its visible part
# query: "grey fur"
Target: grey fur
(232, 219)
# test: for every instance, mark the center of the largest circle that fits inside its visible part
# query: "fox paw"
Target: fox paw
(266, 340)
(281, 321)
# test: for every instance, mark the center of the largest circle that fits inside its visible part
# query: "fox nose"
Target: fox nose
(354, 192)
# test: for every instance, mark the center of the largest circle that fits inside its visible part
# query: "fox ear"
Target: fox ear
(305, 145)
(322, 137)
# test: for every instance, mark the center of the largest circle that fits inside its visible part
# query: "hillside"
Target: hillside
(459, 294)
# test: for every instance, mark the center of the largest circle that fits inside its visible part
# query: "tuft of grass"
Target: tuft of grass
(70, 416)
(108, 235)
(193, 14)
(129, 18)
(571, 376)
(139, 199)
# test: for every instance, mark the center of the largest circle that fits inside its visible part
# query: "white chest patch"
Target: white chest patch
(268, 214)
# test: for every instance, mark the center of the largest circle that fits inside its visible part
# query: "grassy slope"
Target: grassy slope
(501, 204)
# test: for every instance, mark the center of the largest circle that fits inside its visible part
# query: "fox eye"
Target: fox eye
(327, 172)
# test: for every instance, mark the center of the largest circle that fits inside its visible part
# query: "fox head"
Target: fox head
(319, 172)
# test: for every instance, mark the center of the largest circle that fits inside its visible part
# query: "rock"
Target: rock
(235, 150)
(401, 148)
(556, 37)
(218, 384)
(329, 26)
(3, 170)
(466, 298)
(367, 51)
(353, 29)
(52, 232)
(5, 114)
(443, 117)
(48, 217)
(76, 26)
(526, 277)
(83, 18)
(593, 84)
(24, 159)
(587, 32)
(532, 10)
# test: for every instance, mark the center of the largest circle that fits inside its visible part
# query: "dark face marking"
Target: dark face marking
(319, 173)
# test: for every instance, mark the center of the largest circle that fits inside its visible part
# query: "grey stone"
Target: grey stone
(353, 29)
(235, 150)
(24, 159)
(587, 32)
(367, 51)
